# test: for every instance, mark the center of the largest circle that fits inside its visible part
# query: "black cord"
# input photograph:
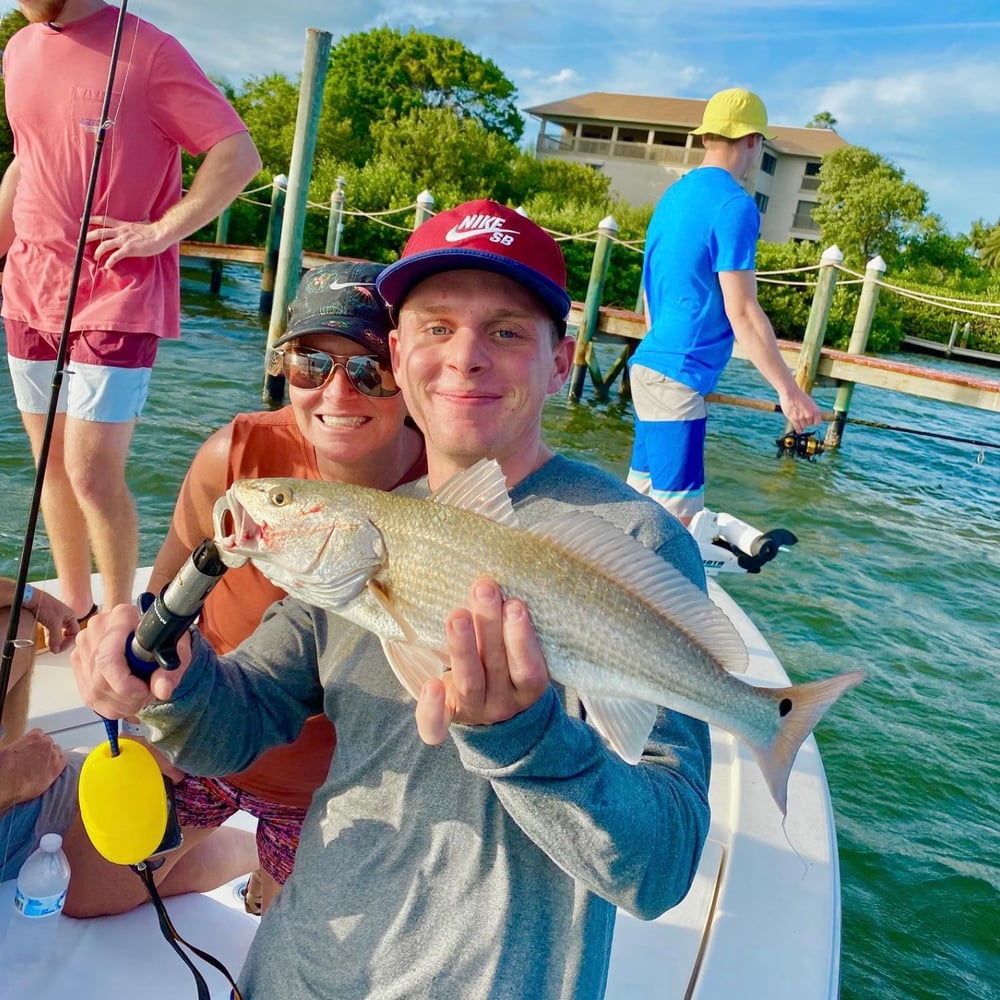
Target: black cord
(145, 872)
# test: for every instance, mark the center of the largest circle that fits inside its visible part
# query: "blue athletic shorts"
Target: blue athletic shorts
(668, 453)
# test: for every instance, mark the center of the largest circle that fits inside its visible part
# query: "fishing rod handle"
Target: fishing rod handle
(167, 616)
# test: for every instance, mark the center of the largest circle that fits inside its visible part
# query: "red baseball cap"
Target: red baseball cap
(482, 236)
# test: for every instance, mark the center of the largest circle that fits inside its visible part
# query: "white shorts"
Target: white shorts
(88, 392)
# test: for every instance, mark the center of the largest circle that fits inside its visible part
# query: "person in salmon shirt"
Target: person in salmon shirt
(345, 422)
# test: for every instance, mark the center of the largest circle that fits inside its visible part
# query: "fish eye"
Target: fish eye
(279, 496)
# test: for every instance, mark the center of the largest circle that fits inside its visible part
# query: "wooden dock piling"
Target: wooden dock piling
(221, 236)
(335, 226)
(317, 59)
(583, 359)
(874, 271)
(819, 312)
(425, 208)
(272, 241)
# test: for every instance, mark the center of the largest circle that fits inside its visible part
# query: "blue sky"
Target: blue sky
(915, 82)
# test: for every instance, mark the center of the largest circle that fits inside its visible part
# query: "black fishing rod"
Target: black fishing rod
(831, 416)
(10, 642)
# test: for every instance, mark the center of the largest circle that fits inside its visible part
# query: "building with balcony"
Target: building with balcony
(644, 144)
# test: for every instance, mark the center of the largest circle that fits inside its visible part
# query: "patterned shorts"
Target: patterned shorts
(209, 802)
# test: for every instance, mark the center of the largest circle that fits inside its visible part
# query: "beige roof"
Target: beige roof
(679, 112)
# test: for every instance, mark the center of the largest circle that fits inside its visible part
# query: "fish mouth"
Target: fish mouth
(238, 546)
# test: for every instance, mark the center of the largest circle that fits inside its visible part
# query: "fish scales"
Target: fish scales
(590, 628)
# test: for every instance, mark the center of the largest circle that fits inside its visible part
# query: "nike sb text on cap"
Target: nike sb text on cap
(483, 236)
(341, 299)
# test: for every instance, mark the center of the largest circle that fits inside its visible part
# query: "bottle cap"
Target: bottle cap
(50, 843)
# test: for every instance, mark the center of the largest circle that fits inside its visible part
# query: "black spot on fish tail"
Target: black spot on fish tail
(800, 707)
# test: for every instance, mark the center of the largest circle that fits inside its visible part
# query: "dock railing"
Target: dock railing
(596, 323)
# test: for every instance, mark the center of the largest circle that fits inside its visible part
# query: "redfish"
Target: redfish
(618, 624)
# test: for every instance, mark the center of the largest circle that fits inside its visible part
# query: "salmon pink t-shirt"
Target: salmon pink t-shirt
(54, 82)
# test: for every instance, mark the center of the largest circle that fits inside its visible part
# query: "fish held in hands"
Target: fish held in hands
(618, 624)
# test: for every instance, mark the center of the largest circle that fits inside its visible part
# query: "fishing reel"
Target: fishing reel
(805, 445)
(729, 545)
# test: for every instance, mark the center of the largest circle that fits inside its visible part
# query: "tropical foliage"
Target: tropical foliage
(866, 206)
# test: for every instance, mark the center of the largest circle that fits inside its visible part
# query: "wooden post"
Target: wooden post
(221, 236)
(952, 339)
(583, 359)
(317, 60)
(425, 208)
(812, 340)
(271, 241)
(336, 225)
(859, 339)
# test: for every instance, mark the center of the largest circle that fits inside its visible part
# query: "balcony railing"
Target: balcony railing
(805, 221)
(620, 150)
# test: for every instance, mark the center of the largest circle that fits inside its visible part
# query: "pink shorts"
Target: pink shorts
(209, 802)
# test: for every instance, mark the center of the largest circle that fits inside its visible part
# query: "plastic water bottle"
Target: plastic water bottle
(34, 933)
(43, 880)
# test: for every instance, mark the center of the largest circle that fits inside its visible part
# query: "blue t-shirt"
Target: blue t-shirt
(704, 223)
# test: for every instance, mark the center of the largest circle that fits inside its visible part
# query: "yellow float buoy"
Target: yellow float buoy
(123, 802)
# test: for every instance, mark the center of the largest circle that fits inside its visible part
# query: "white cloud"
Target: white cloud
(913, 99)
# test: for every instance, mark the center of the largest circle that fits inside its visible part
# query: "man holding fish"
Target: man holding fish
(482, 851)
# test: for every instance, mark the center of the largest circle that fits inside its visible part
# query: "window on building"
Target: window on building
(595, 131)
(768, 163)
(762, 202)
(810, 177)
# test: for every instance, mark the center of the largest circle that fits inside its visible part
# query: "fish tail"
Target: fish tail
(801, 707)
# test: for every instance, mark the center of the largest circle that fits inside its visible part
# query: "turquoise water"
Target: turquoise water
(897, 571)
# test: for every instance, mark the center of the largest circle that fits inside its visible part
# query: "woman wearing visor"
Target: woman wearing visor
(345, 422)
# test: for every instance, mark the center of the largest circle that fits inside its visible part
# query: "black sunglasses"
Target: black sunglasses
(309, 368)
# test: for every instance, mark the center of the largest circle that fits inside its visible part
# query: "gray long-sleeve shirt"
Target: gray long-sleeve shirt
(487, 867)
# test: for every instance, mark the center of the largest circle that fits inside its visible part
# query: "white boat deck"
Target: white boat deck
(761, 921)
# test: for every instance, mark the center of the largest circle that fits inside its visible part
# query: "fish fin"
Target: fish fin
(480, 489)
(413, 664)
(378, 591)
(806, 704)
(623, 722)
(616, 554)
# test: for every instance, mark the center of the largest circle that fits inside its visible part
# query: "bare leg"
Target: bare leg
(15, 708)
(206, 859)
(269, 891)
(95, 459)
(64, 521)
(228, 853)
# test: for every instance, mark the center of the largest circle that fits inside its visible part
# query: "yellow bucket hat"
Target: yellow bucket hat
(734, 113)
